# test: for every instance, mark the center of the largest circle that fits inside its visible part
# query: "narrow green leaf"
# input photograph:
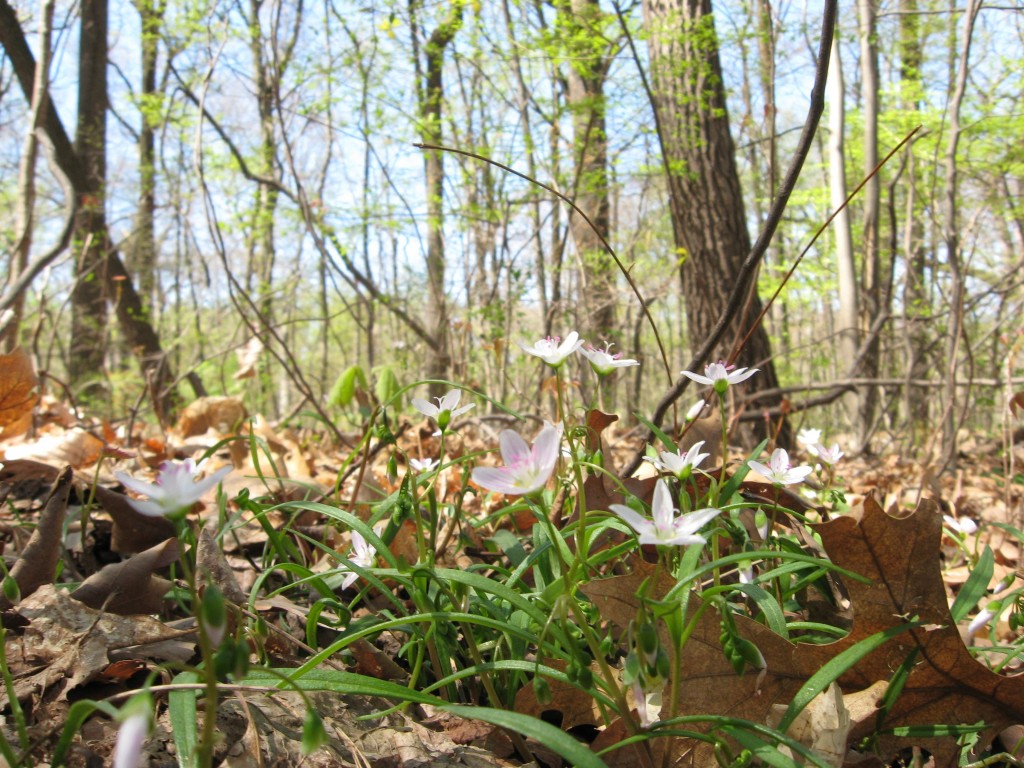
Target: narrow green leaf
(572, 751)
(976, 586)
(831, 671)
(181, 706)
(769, 606)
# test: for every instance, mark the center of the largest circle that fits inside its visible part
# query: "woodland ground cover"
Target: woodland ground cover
(500, 596)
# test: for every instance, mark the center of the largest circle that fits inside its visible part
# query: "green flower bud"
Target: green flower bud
(11, 590)
(542, 690)
(313, 733)
(213, 614)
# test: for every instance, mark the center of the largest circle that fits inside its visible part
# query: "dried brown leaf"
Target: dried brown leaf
(67, 643)
(222, 414)
(132, 586)
(37, 563)
(59, 447)
(900, 559)
(133, 532)
(18, 394)
(248, 356)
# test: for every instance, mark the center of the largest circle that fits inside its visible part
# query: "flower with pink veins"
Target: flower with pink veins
(779, 471)
(681, 466)
(666, 529)
(603, 361)
(718, 376)
(131, 735)
(826, 455)
(553, 350)
(527, 468)
(176, 488)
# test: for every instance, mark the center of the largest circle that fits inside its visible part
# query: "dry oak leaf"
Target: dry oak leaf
(133, 532)
(222, 414)
(37, 563)
(900, 559)
(18, 394)
(131, 586)
(67, 643)
(59, 446)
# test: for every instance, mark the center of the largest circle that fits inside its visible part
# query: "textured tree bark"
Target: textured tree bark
(88, 303)
(588, 69)
(708, 219)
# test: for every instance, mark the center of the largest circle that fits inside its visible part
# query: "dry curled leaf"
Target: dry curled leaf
(67, 643)
(132, 586)
(222, 414)
(37, 563)
(133, 532)
(248, 356)
(18, 394)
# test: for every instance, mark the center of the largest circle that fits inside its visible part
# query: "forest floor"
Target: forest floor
(102, 647)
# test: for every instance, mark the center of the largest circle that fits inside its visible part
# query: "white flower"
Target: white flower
(695, 410)
(175, 489)
(780, 471)
(983, 618)
(527, 468)
(666, 528)
(363, 554)
(680, 466)
(445, 410)
(553, 350)
(808, 437)
(648, 702)
(423, 465)
(964, 525)
(746, 573)
(762, 524)
(130, 738)
(603, 361)
(828, 455)
(717, 375)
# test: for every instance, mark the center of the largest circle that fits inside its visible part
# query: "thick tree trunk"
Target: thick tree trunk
(588, 69)
(88, 303)
(708, 220)
(846, 323)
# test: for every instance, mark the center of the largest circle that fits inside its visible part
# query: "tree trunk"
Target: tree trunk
(846, 323)
(431, 101)
(588, 69)
(88, 303)
(871, 271)
(915, 301)
(708, 220)
(27, 170)
(262, 250)
(138, 332)
(951, 238)
(142, 252)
